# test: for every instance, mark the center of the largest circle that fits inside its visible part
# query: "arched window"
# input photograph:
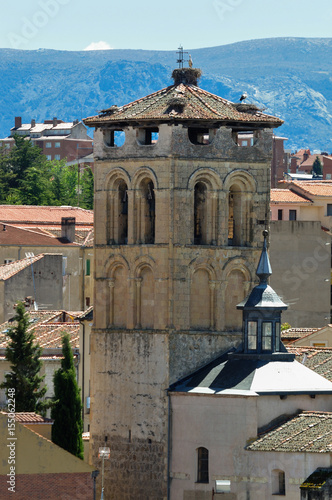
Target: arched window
(200, 214)
(146, 212)
(122, 222)
(278, 482)
(236, 217)
(202, 465)
(240, 189)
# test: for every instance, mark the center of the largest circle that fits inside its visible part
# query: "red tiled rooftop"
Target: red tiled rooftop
(196, 103)
(13, 235)
(314, 188)
(286, 196)
(318, 359)
(9, 270)
(309, 431)
(48, 328)
(31, 418)
(16, 214)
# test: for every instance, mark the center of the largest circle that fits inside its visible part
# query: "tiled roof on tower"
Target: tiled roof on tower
(183, 101)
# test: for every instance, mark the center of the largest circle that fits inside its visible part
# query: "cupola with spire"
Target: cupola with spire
(262, 312)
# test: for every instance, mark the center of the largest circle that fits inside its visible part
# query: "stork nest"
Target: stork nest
(246, 108)
(177, 102)
(109, 111)
(188, 76)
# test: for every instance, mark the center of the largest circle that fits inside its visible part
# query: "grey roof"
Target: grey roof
(307, 432)
(262, 296)
(235, 373)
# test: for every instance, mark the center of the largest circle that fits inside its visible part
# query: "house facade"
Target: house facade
(57, 139)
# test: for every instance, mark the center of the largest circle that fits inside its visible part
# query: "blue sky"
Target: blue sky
(145, 24)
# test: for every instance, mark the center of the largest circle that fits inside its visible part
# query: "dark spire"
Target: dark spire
(264, 269)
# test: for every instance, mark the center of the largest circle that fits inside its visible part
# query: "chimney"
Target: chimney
(18, 121)
(68, 228)
(33, 123)
(55, 121)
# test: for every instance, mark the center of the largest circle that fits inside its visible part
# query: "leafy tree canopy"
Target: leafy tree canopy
(28, 178)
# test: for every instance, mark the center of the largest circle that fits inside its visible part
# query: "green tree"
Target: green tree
(25, 174)
(67, 407)
(317, 167)
(86, 200)
(24, 355)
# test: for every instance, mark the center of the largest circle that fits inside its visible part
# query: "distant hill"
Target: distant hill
(289, 77)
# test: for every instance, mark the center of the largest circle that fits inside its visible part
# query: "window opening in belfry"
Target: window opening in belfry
(114, 138)
(148, 136)
(200, 197)
(122, 214)
(235, 216)
(199, 135)
(149, 212)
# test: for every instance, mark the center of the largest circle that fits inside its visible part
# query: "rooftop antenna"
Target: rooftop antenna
(181, 58)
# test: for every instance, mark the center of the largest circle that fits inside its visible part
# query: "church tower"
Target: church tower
(182, 184)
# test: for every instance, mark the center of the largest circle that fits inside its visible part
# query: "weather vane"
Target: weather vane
(181, 60)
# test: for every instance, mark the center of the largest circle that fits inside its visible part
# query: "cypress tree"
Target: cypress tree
(24, 355)
(67, 408)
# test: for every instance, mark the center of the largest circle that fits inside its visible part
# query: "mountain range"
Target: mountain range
(287, 77)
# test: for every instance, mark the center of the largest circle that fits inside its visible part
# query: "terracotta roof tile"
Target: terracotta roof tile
(307, 432)
(13, 235)
(314, 188)
(195, 103)
(31, 418)
(318, 359)
(41, 215)
(48, 328)
(287, 196)
(9, 270)
(297, 333)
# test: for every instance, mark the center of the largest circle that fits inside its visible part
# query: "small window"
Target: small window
(292, 215)
(8, 261)
(252, 335)
(57, 144)
(329, 209)
(87, 301)
(7, 146)
(87, 267)
(279, 214)
(328, 176)
(202, 465)
(267, 336)
(57, 157)
(48, 145)
(147, 136)
(49, 157)
(114, 138)
(199, 136)
(278, 482)
(277, 336)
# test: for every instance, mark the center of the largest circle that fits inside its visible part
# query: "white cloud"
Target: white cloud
(98, 46)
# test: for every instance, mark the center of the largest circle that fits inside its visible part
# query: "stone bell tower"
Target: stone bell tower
(182, 183)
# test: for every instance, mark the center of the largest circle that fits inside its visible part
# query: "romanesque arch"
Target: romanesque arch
(117, 293)
(240, 186)
(145, 184)
(236, 278)
(144, 294)
(202, 297)
(205, 184)
(118, 184)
